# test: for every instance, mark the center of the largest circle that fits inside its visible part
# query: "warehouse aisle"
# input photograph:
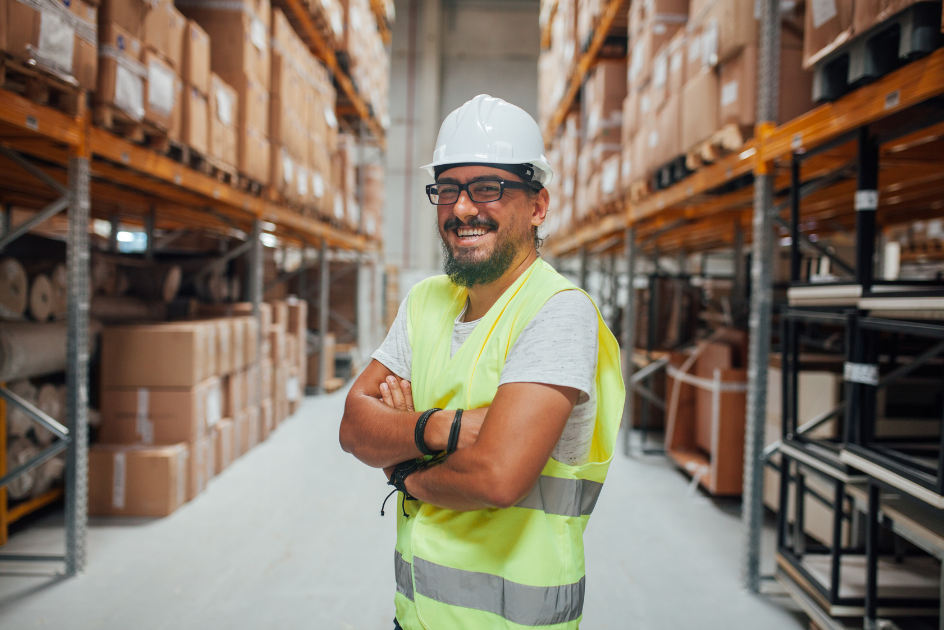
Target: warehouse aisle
(291, 537)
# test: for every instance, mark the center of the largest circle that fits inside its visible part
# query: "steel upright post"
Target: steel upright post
(77, 356)
(254, 280)
(866, 203)
(324, 290)
(629, 337)
(752, 510)
(795, 218)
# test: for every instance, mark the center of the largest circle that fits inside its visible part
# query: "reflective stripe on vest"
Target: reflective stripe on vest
(517, 603)
(404, 578)
(564, 497)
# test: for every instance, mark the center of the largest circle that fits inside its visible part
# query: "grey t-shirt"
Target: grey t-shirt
(557, 347)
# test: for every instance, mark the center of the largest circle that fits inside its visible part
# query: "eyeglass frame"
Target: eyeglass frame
(511, 185)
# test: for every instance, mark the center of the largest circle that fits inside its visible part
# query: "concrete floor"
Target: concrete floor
(291, 537)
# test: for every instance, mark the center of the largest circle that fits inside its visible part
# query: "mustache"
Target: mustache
(454, 223)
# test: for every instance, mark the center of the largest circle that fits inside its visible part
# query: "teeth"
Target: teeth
(471, 231)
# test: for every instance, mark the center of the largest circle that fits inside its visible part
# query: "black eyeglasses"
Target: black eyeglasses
(479, 192)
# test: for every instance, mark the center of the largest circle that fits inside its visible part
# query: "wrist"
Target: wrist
(437, 430)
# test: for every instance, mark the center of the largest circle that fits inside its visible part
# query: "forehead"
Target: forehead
(463, 174)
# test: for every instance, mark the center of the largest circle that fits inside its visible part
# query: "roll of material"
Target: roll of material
(14, 288)
(117, 310)
(60, 291)
(30, 349)
(50, 400)
(19, 452)
(40, 298)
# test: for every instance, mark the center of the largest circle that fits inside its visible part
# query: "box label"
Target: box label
(729, 93)
(823, 11)
(143, 422)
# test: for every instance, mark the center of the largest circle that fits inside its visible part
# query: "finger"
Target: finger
(407, 394)
(398, 401)
(385, 394)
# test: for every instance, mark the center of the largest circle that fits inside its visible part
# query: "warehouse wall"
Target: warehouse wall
(460, 48)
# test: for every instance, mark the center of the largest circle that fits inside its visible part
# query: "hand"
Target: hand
(397, 393)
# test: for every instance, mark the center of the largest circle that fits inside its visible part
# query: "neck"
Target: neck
(483, 297)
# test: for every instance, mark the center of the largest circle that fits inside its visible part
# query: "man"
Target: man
(517, 391)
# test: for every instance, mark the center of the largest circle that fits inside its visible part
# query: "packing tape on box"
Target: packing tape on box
(143, 424)
(119, 481)
(161, 92)
(214, 405)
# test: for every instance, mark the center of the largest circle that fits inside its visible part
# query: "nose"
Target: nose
(464, 208)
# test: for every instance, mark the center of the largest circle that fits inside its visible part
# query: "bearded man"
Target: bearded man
(494, 402)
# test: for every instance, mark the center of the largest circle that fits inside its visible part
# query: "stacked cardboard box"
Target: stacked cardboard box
(369, 62)
(604, 93)
(297, 351)
(302, 121)
(58, 36)
(372, 182)
(346, 208)
(122, 75)
(195, 74)
(223, 119)
(329, 17)
(556, 63)
(160, 397)
(240, 55)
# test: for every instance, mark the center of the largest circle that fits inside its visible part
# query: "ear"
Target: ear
(539, 208)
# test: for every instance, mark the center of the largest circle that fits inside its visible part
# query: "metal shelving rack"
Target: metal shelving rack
(713, 206)
(63, 163)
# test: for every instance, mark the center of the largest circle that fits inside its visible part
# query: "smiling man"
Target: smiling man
(494, 402)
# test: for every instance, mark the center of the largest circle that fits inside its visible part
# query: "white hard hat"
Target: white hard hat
(488, 130)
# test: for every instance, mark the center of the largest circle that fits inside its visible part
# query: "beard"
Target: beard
(464, 270)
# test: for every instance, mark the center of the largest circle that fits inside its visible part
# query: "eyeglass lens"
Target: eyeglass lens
(443, 194)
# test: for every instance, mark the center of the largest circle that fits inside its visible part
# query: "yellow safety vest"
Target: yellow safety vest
(498, 568)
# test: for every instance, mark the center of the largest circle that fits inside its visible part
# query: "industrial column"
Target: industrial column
(77, 356)
(324, 290)
(752, 510)
(629, 337)
(254, 280)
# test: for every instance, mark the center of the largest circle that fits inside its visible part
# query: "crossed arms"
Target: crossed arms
(502, 448)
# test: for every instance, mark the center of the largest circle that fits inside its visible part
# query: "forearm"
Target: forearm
(465, 481)
(381, 436)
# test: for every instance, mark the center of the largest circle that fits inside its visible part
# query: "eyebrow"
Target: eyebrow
(480, 178)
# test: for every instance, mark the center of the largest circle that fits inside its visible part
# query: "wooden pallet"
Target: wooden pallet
(41, 86)
(203, 163)
(121, 124)
(729, 138)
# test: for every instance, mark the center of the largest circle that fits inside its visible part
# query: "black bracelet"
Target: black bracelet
(420, 430)
(453, 443)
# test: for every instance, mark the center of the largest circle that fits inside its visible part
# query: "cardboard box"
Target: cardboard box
(738, 86)
(120, 84)
(265, 379)
(828, 24)
(253, 430)
(253, 385)
(224, 114)
(164, 29)
(700, 98)
(223, 445)
(238, 340)
(163, 91)
(654, 34)
(195, 67)
(127, 14)
(277, 346)
(234, 393)
(253, 155)
(194, 131)
(297, 322)
(266, 419)
(200, 467)
(159, 416)
(736, 24)
(240, 43)
(279, 314)
(224, 346)
(251, 341)
(154, 355)
(668, 123)
(136, 480)
(41, 33)
(677, 52)
(604, 92)
(241, 434)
